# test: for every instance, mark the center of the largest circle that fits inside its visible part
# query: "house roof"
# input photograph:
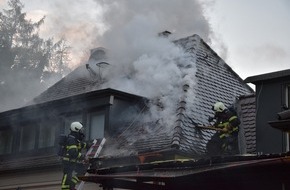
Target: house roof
(213, 81)
(268, 76)
(79, 81)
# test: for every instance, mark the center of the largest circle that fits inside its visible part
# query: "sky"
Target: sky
(250, 35)
(254, 33)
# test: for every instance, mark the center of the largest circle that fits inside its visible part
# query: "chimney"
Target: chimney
(164, 34)
(97, 61)
(98, 54)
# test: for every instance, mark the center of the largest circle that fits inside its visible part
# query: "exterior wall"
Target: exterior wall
(36, 180)
(46, 179)
(269, 101)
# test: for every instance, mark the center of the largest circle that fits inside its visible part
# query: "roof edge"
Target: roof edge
(267, 76)
(227, 65)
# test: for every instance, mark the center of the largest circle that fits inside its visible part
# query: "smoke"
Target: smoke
(140, 61)
(143, 63)
(80, 23)
(2, 2)
(83, 24)
(183, 17)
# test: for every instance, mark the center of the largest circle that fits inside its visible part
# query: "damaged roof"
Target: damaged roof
(214, 80)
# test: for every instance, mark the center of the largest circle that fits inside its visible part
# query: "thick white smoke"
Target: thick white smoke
(143, 63)
(140, 62)
(83, 23)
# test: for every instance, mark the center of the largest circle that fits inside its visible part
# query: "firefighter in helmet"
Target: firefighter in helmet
(73, 158)
(224, 141)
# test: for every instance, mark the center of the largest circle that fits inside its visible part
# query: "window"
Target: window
(96, 125)
(6, 139)
(47, 135)
(27, 138)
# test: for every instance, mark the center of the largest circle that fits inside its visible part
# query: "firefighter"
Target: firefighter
(224, 141)
(73, 160)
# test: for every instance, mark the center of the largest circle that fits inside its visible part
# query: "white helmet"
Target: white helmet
(76, 126)
(219, 107)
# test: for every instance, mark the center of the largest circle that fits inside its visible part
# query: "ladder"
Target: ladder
(93, 152)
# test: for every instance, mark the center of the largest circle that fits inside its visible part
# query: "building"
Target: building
(29, 134)
(272, 97)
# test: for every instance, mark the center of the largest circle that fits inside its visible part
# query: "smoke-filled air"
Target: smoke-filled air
(140, 61)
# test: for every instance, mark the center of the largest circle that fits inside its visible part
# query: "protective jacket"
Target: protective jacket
(72, 161)
(228, 121)
(226, 141)
(73, 149)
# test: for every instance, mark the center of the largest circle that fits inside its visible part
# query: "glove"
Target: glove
(225, 129)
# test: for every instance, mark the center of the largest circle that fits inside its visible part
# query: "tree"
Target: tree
(25, 58)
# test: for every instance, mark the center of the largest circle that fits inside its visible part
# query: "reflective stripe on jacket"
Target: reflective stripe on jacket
(73, 149)
(229, 121)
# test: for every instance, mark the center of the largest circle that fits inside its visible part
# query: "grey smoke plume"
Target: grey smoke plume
(83, 24)
(144, 63)
(140, 62)
(183, 17)
(128, 29)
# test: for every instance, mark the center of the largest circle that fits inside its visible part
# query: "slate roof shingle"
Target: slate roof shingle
(77, 82)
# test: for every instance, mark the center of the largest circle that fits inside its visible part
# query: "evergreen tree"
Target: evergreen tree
(27, 61)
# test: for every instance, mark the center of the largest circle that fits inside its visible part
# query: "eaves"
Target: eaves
(268, 76)
(105, 96)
